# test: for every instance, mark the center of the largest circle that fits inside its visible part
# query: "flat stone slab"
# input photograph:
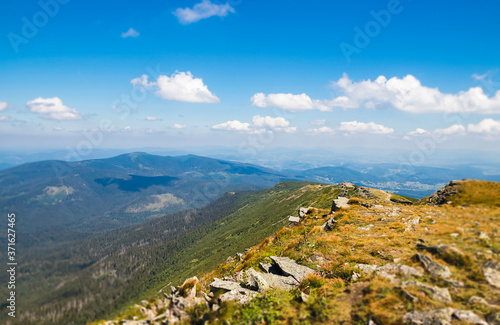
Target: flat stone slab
(292, 268)
(340, 202)
(491, 272)
(441, 294)
(433, 267)
(294, 219)
(219, 284)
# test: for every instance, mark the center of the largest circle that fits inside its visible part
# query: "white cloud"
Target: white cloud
(318, 122)
(487, 126)
(178, 126)
(151, 118)
(128, 128)
(130, 33)
(456, 129)
(273, 123)
(418, 132)
(4, 118)
(205, 9)
(180, 86)
(289, 102)
(234, 126)
(3, 106)
(53, 108)
(321, 130)
(260, 124)
(360, 127)
(58, 128)
(409, 95)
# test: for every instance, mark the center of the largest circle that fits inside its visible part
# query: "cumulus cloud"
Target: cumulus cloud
(260, 124)
(3, 106)
(53, 108)
(360, 127)
(418, 132)
(58, 128)
(289, 102)
(406, 94)
(180, 86)
(409, 95)
(456, 129)
(234, 125)
(178, 126)
(151, 118)
(202, 10)
(130, 33)
(321, 130)
(273, 123)
(487, 126)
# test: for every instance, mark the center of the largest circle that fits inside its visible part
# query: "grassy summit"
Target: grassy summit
(367, 267)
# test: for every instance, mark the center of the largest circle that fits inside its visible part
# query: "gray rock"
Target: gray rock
(408, 296)
(366, 228)
(219, 284)
(304, 297)
(241, 295)
(330, 224)
(468, 316)
(389, 271)
(266, 267)
(338, 203)
(491, 273)
(433, 267)
(454, 283)
(414, 221)
(434, 317)
(303, 212)
(441, 294)
(442, 195)
(292, 268)
(483, 235)
(294, 219)
(256, 280)
(478, 301)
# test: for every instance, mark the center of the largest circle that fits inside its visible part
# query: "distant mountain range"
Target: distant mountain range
(60, 200)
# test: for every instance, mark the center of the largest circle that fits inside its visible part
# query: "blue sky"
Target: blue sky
(237, 72)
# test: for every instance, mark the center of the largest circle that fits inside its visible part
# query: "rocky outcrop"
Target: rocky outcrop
(433, 267)
(442, 195)
(389, 271)
(442, 317)
(441, 294)
(303, 212)
(339, 203)
(491, 272)
(330, 224)
(448, 253)
(292, 268)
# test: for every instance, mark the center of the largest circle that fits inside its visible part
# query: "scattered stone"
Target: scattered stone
(468, 316)
(355, 276)
(303, 212)
(434, 317)
(409, 296)
(315, 258)
(330, 224)
(304, 297)
(366, 228)
(378, 206)
(338, 203)
(240, 256)
(414, 221)
(437, 293)
(294, 219)
(292, 268)
(449, 253)
(219, 284)
(454, 283)
(483, 235)
(478, 301)
(491, 273)
(433, 267)
(241, 295)
(230, 259)
(389, 271)
(455, 235)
